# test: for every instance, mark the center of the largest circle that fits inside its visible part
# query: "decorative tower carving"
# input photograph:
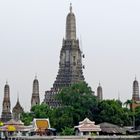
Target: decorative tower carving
(70, 65)
(6, 108)
(17, 110)
(135, 95)
(35, 100)
(100, 92)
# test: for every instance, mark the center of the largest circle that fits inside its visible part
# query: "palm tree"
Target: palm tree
(128, 102)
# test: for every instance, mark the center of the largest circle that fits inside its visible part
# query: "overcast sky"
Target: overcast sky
(31, 33)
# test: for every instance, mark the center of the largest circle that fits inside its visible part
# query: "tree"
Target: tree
(137, 116)
(67, 131)
(61, 117)
(37, 111)
(41, 111)
(128, 103)
(77, 102)
(26, 118)
(112, 111)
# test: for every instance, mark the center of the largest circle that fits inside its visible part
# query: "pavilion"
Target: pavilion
(87, 127)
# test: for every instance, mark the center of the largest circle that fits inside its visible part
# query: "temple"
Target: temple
(100, 92)
(70, 64)
(135, 95)
(17, 111)
(6, 106)
(135, 102)
(35, 100)
(87, 127)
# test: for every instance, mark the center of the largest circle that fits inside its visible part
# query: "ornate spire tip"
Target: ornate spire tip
(36, 76)
(70, 7)
(17, 96)
(135, 77)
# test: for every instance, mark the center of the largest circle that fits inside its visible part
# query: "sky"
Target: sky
(31, 33)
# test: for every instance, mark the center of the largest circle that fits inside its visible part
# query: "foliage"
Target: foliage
(137, 116)
(37, 111)
(61, 118)
(26, 118)
(77, 103)
(112, 111)
(128, 103)
(66, 131)
(40, 111)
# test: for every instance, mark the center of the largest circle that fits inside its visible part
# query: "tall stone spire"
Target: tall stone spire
(6, 107)
(100, 92)
(35, 100)
(70, 64)
(70, 25)
(135, 95)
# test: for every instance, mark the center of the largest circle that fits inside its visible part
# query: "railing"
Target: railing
(75, 138)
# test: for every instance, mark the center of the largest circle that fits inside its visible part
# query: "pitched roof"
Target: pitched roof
(111, 128)
(18, 108)
(87, 126)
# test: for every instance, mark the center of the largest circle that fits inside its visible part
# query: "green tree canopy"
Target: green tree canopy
(77, 103)
(41, 111)
(37, 111)
(113, 112)
(80, 99)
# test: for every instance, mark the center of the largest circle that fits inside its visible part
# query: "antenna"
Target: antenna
(118, 95)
